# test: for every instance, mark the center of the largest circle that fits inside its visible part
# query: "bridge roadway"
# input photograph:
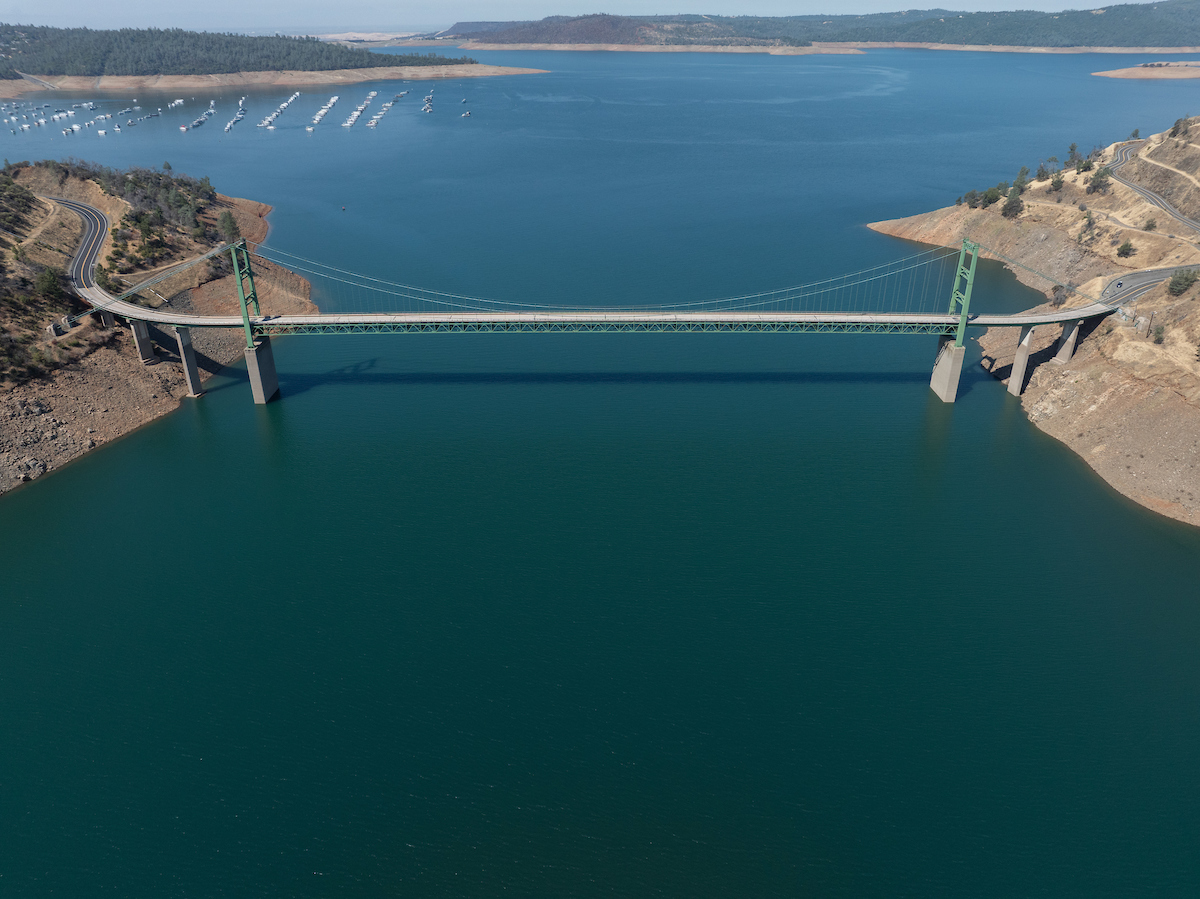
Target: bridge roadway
(96, 226)
(261, 366)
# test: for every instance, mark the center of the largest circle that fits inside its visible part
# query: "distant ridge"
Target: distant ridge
(152, 51)
(1170, 23)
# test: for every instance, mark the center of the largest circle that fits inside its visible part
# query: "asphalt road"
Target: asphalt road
(95, 226)
(1124, 154)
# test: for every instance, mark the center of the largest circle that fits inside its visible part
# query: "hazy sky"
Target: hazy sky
(312, 16)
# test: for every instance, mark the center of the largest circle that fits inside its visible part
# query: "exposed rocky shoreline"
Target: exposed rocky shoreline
(107, 393)
(1129, 401)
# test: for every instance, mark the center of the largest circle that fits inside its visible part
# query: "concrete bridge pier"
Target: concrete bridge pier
(1066, 343)
(1016, 380)
(106, 319)
(947, 369)
(187, 355)
(260, 363)
(141, 340)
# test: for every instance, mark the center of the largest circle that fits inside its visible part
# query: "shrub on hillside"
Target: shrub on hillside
(1181, 281)
(1014, 204)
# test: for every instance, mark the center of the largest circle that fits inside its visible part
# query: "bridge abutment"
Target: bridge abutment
(187, 356)
(260, 364)
(1016, 380)
(947, 369)
(141, 340)
(1066, 343)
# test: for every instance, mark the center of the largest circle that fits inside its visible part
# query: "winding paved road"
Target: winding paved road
(1124, 154)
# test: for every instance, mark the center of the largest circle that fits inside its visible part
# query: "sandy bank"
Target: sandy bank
(817, 48)
(669, 48)
(1169, 71)
(998, 48)
(174, 83)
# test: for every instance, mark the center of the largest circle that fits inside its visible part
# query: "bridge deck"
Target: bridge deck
(600, 319)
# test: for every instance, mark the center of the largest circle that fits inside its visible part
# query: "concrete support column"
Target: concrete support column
(947, 369)
(1016, 380)
(105, 318)
(260, 363)
(141, 340)
(187, 356)
(1066, 343)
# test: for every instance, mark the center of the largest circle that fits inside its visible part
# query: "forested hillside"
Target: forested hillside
(1171, 23)
(151, 51)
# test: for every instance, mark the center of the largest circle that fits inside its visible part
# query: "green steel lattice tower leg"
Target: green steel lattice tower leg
(243, 276)
(948, 367)
(960, 298)
(260, 358)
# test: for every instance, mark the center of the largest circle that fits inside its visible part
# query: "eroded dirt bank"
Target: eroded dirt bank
(1128, 406)
(826, 50)
(1129, 401)
(171, 83)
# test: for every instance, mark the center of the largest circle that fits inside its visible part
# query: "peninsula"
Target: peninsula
(1156, 71)
(1128, 402)
(61, 396)
(36, 58)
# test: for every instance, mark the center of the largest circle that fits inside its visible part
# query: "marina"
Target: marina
(110, 118)
(269, 121)
(358, 110)
(241, 114)
(199, 120)
(383, 110)
(322, 112)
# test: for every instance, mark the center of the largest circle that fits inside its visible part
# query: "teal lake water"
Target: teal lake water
(606, 614)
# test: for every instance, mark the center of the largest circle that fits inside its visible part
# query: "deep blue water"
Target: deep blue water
(606, 614)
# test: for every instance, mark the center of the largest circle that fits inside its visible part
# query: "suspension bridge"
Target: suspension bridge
(927, 293)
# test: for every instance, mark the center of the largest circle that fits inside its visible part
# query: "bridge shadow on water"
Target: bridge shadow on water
(362, 373)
